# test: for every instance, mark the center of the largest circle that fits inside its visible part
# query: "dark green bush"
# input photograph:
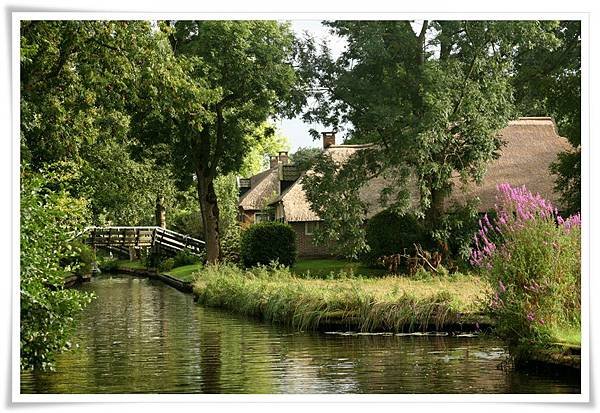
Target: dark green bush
(81, 258)
(185, 257)
(166, 265)
(108, 265)
(456, 230)
(389, 233)
(230, 245)
(153, 259)
(267, 242)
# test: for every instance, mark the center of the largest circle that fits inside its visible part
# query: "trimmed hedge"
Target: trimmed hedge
(389, 233)
(266, 242)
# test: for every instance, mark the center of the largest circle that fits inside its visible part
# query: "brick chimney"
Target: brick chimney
(328, 139)
(273, 161)
(283, 157)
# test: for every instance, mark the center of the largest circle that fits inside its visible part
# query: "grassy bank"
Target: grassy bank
(367, 304)
(324, 268)
(136, 265)
(185, 273)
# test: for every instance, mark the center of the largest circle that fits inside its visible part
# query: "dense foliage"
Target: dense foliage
(268, 242)
(455, 231)
(389, 233)
(185, 257)
(81, 260)
(431, 97)
(304, 158)
(548, 83)
(84, 87)
(49, 221)
(532, 257)
(236, 74)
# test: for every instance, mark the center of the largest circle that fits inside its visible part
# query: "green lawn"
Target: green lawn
(322, 268)
(131, 264)
(185, 273)
(312, 268)
(568, 336)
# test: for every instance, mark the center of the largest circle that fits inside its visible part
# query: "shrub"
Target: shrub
(185, 257)
(85, 256)
(456, 230)
(185, 221)
(268, 242)
(80, 260)
(152, 260)
(388, 233)
(48, 311)
(166, 265)
(108, 265)
(230, 245)
(532, 257)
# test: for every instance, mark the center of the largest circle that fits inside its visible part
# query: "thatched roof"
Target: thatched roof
(532, 144)
(263, 187)
(296, 206)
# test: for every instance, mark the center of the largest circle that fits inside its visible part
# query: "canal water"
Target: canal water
(141, 336)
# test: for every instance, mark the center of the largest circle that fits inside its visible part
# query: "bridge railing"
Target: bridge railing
(140, 237)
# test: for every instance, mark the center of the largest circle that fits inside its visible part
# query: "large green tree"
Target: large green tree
(81, 87)
(239, 73)
(82, 83)
(431, 95)
(548, 82)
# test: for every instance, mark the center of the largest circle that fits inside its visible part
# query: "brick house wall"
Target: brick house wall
(306, 246)
(245, 218)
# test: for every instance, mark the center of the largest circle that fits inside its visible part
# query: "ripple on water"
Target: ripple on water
(143, 336)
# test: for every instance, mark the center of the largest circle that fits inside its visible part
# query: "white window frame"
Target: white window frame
(306, 225)
(262, 215)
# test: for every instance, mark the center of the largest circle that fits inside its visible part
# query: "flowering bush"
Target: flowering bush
(532, 257)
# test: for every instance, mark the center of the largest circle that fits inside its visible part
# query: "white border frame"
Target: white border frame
(585, 145)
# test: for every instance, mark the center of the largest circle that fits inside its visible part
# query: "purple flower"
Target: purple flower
(514, 207)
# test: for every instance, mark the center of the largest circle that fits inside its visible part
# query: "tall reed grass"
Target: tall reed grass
(384, 304)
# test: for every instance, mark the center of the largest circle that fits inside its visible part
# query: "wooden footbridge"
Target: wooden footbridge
(122, 239)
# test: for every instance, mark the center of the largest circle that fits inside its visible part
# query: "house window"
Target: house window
(309, 227)
(261, 217)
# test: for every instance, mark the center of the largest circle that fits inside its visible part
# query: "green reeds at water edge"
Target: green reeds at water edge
(382, 304)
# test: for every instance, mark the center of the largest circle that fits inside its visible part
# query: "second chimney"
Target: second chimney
(283, 157)
(328, 139)
(273, 161)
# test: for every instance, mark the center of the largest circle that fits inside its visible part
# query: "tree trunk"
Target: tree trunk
(210, 216)
(436, 208)
(160, 218)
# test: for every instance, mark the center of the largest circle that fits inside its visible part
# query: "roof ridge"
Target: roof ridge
(288, 189)
(361, 145)
(266, 173)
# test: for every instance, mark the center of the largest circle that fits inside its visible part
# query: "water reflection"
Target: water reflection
(142, 336)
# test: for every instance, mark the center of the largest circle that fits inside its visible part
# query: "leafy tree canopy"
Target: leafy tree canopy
(548, 82)
(430, 96)
(237, 75)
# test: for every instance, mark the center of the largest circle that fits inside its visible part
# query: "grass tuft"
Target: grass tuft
(369, 304)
